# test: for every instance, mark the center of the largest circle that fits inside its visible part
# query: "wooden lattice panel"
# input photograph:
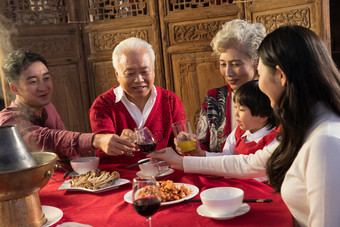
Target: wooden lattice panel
(177, 5)
(35, 12)
(114, 9)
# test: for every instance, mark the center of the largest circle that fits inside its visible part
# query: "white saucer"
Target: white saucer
(52, 214)
(203, 211)
(166, 173)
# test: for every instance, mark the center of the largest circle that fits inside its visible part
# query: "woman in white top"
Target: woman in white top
(300, 78)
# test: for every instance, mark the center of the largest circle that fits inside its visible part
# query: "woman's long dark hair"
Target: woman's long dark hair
(311, 77)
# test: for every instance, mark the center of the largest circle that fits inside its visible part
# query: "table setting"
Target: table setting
(114, 206)
(96, 194)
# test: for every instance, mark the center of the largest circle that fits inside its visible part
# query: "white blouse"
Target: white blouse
(311, 188)
(232, 166)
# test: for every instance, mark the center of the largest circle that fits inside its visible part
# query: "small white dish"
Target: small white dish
(84, 164)
(166, 173)
(67, 186)
(52, 214)
(203, 211)
(194, 191)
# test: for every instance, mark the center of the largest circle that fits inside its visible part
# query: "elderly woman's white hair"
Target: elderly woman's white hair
(239, 34)
(132, 43)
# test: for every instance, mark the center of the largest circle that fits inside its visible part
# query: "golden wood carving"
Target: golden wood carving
(33, 12)
(67, 96)
(177, 5)
(108, 41)
(115, 9)
(186, 67)
(49, 47)
(196, 31)
(105, 76)
(195, 75)
(295, 16)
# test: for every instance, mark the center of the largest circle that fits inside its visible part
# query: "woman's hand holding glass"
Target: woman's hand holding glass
(169, 156)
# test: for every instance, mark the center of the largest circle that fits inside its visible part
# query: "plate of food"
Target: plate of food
(95, 181)
(171, 193)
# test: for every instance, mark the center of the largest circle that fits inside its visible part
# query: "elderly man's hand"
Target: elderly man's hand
(112, 144)
(128, 134)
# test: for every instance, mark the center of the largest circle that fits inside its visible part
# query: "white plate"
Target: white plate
(203, 211)
(166, 173)
(67, 186)
(52, 214)
(193, 188)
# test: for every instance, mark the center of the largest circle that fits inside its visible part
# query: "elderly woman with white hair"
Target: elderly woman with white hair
(135, 103)
(236, 45)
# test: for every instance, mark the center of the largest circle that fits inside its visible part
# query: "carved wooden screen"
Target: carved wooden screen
(275, 13)
(44, 27)
(69, 33)
(187, 29)
(112, 21)
(189, 25)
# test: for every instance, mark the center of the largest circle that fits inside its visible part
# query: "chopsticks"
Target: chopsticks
(138, 163)
(257, 200)
(245, 200)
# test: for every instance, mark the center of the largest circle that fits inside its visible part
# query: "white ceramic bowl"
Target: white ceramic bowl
(222, 200)
(84, 164)
(151, 169)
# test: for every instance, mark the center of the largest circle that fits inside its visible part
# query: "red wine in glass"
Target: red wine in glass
(147, 148)
(146, 197)
(147, 206)
(145, 140)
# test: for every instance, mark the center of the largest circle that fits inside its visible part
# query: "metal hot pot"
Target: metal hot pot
(21, 180)
(19, 199)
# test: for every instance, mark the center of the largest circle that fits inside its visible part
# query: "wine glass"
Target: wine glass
(145, 140)
(146, 197)
(184, 136)
(147, 144)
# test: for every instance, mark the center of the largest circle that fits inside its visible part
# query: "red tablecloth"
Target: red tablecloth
(110, 209)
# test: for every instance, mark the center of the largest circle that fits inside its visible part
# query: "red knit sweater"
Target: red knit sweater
(250, 148)
(106, 116)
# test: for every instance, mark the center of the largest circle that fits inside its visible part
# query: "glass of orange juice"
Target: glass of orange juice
(184, 136)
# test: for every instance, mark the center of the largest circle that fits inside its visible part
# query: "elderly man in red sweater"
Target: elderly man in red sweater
(136, 102)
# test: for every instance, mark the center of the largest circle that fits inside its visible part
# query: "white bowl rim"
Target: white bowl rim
(84, 159)
(202, 194)
(144, 159)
